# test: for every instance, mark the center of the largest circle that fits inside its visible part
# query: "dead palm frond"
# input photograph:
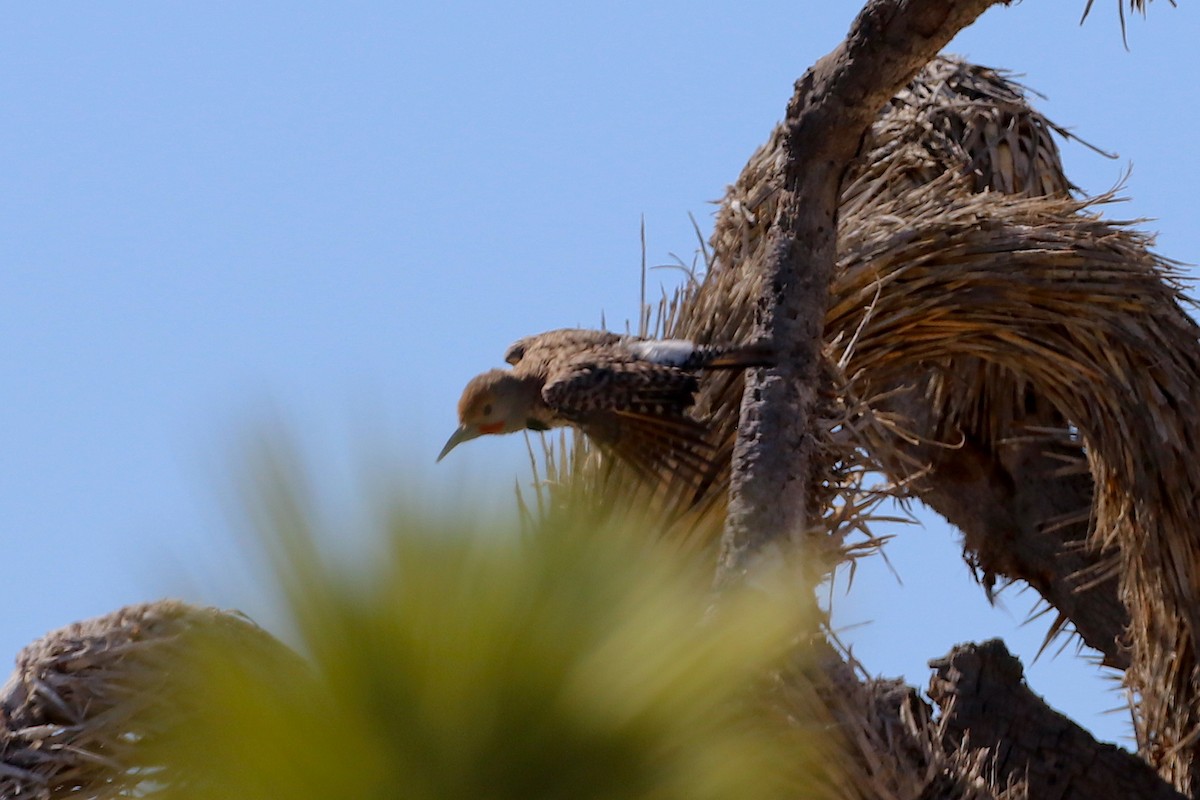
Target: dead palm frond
(1138, 6)
(86, 701)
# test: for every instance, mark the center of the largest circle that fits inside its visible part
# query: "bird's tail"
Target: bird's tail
(737, 356)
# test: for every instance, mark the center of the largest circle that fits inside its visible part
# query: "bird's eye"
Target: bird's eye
(487, 410)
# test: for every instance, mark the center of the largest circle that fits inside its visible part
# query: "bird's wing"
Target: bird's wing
(636, 410)
(555, 342)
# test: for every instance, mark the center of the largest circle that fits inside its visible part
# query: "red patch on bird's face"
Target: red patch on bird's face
(494, 427)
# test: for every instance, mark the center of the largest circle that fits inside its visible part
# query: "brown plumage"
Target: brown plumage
(629, 395)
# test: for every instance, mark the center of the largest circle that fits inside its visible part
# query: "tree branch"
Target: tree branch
(982, 693)
(832, 107)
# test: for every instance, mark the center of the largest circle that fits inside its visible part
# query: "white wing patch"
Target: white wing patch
(668, 352)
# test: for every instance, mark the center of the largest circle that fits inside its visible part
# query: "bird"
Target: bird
(630, 395)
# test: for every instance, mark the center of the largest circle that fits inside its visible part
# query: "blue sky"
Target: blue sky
(222, 216)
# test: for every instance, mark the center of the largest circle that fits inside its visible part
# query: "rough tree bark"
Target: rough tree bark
(831, 109)
(994, 738)
(984, 699)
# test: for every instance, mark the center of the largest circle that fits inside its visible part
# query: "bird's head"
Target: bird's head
(494, 402)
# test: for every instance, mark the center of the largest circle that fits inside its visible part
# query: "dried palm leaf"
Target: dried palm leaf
(84, 701)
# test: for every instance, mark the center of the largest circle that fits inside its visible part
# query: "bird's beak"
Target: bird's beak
(463, 434)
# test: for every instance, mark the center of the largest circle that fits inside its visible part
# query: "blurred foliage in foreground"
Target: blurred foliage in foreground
(465, 663)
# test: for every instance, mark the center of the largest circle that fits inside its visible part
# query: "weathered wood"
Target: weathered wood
(987, 706)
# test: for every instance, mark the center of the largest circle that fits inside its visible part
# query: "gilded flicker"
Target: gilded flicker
(629, 395)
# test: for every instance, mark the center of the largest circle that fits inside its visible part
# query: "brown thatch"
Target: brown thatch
(83, 702)
(976, 295)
